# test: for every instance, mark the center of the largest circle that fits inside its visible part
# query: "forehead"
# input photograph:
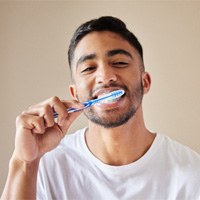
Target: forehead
(99, 43)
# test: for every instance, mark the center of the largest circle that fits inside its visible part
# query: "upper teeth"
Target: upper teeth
(109, 100)
(102, 95)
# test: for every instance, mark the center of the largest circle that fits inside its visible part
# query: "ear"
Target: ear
(146, 81)
(73, 92)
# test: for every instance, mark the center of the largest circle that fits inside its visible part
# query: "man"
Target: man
(116, 156)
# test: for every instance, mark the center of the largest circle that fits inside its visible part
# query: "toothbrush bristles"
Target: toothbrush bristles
(110, 96)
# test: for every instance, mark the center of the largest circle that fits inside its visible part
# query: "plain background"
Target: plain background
(34, 37)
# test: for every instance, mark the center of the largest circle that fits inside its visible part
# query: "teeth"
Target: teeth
(109, 100)
(109, 97)
(102, 95)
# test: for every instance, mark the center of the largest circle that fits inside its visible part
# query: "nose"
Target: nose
(105, 75)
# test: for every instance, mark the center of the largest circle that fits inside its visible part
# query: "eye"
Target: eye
(120, 64)
(88, 69)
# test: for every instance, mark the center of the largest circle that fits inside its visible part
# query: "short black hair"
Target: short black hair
(105, 23)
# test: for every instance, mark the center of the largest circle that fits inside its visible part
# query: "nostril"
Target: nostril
(106, 78)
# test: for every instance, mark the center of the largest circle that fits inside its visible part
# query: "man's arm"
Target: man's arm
(21, 181)
(36, 133)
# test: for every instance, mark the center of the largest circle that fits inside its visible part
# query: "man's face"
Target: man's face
(103, 62)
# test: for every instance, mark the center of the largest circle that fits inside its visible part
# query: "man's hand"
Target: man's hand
(36, 129)
(37, 132)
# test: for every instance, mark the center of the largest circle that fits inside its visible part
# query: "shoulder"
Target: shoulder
(179, 150)
(185, 165)
(180, 156)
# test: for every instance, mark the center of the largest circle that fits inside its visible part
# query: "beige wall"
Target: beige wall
(34, 37)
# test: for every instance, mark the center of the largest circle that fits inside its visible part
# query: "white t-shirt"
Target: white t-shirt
(167, 171)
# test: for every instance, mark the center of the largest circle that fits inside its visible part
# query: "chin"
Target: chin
(110, 118)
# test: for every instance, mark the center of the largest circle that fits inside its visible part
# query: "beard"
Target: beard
(117, 117)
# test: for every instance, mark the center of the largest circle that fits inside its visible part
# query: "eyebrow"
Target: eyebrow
(85, 58)
(118, 51)
(109, 54)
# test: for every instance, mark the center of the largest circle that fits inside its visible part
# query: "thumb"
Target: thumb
(69, 120)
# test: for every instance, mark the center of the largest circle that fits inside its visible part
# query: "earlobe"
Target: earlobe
(73, 92)
(146, 81)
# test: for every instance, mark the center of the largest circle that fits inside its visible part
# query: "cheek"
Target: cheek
(83, 91)
(84, 86)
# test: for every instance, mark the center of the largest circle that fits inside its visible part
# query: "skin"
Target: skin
(38, 133)
(128, 142)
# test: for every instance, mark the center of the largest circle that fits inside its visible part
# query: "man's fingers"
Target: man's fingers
(46, 110)
(31, 122)
(60, 108)
(62, 117)
(71, 116)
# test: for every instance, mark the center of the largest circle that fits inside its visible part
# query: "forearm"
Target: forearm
(21, 181)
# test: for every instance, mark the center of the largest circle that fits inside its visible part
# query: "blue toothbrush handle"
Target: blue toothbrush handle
(71, 110)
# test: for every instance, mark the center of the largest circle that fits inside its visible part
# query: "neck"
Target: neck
(121, 145)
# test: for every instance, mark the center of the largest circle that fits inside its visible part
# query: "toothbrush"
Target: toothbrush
(110, 96)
